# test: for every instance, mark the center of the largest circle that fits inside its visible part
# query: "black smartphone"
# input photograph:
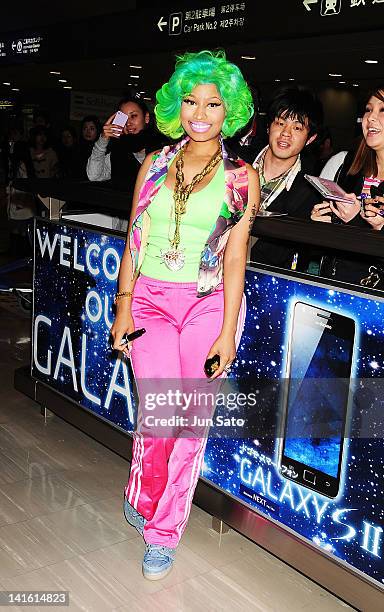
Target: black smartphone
(316, 398)
(128, 338)
(133, 336)
(211, 365)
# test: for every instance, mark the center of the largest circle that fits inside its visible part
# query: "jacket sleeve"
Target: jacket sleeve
(99, 162)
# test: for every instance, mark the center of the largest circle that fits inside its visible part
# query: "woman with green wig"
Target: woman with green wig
(182, 280)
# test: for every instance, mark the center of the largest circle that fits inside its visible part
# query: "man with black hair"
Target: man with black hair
(294, 118)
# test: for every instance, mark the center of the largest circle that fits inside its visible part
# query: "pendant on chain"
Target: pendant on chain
(174, 259)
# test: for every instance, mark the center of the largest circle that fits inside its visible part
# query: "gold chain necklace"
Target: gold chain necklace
(174, 258)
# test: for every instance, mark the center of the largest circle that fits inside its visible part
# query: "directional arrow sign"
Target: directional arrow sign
(162, 23)
(308, 2)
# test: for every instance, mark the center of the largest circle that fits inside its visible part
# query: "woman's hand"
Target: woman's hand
(373, 215)
(225, 347)
(110, 130)
(123, 324)
(346, 212)
(321, 212)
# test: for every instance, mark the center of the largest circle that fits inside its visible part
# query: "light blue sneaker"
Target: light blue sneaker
(158, 561)
(133, 517)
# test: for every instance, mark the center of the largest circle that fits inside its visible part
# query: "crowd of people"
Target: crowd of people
(93, 152)
(293, 142)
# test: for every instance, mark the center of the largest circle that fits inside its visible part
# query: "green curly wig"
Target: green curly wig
(194, 69)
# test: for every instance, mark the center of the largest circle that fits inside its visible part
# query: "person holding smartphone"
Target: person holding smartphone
(360, 175)
(123, 144)
(182, 278)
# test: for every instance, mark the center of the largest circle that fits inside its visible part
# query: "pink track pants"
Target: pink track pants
(180, 330)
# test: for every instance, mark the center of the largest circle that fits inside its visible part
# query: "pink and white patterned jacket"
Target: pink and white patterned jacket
(210, 272)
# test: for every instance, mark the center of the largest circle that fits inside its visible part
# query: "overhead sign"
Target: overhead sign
(213, 18)
(6, 104)
(348, 12)
(24, 47)
(216, 22)
(195, 23)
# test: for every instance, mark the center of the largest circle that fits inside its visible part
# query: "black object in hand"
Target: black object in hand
(133, 336)
(377, 191)
(211, 365)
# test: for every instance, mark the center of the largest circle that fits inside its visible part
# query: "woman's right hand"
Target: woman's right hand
(110, 130)
(321, 212)
(346, 212)
(123, 324)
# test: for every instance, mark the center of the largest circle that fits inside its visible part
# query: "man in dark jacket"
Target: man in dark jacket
(294, 117)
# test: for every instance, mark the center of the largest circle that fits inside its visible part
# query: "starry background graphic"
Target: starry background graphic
(60, 295)
(262, 354)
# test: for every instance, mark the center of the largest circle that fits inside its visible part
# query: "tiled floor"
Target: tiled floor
(62, 527)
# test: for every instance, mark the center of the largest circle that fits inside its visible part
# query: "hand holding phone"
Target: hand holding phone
(120, 119)
(133, 336)
(345, 212)
(127, 338)
(114, 126)
(329, 189)
(211, 365)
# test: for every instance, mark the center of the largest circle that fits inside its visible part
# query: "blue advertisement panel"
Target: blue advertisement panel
(311, 358)
(326, 484)
(75, 278)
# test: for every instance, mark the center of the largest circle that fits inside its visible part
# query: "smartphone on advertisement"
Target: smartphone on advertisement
(319, 364)
(328, 189)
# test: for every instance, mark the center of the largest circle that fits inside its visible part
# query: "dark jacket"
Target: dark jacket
(297, 202)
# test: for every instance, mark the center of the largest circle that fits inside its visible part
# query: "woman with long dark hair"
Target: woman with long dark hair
(119, 152)
(361, 175)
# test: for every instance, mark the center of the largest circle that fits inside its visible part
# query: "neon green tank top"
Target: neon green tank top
(203, 208)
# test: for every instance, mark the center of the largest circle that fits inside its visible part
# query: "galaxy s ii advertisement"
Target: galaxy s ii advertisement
(315, 356)
(311, 454)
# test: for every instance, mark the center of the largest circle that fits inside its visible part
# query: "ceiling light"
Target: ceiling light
(291, 79)
(355, 84)
(141, 91)
(134, 76)
(132, 66)
(63, 81)
(248, 57)
(6, 83)
(15, 89)
(67, 87)
(371, 61)
(147, 98)
(334, 74)
(277, 80)
(54, 72)
(342, 82)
